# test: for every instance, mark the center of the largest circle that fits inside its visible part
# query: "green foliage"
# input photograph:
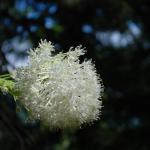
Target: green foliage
(7, 85)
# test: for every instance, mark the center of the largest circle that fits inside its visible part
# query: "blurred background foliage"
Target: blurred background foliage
(116, 34)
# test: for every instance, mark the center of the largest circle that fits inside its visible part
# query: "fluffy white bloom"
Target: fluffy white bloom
(58, 89)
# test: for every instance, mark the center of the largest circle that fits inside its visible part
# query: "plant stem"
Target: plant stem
(5, 76)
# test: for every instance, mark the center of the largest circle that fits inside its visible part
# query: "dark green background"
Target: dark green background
(116, 34)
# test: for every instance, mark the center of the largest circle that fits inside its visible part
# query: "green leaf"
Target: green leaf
(8, 86)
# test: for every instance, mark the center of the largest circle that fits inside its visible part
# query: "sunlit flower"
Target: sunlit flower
(58, 89)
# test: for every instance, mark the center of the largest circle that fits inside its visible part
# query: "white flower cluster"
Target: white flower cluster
(58, 89)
